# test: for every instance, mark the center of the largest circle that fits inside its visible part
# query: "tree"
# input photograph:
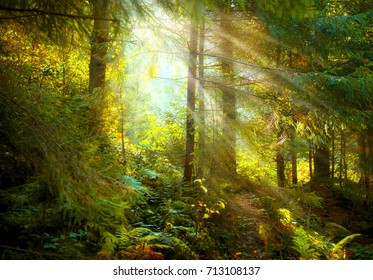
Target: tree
(293, 154)
(201, 103)
(191, 95)
(280, 158)
(229, 100)
(97, 66)
(321, 162)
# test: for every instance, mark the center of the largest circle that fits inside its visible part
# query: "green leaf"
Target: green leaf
(131, 182)
(343, 242)
(148, 174)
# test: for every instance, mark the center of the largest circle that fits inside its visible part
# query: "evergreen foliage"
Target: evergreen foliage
(93, 130)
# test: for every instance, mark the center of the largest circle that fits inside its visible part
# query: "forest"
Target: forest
(186, 130)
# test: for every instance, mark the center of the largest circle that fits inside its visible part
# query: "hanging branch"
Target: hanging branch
(37, 12)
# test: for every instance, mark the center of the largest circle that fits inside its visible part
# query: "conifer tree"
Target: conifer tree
(229, 100)
(191, 96)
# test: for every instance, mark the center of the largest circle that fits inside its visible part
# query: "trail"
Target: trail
(242, 217)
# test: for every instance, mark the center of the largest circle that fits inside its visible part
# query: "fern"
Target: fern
(123, 238)
(303, 245)
(337, 252)
(143, 252)
(147, 174)
(108, 248)
(308, 199)
(182, 250)
(139, 244)
(334, 230)
(131, 182)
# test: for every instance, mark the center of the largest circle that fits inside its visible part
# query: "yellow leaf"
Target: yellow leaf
(220, 204)
(203, 188)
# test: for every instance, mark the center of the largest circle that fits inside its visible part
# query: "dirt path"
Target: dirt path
(243, 217)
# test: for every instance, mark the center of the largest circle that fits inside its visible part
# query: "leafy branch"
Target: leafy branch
(50, 13)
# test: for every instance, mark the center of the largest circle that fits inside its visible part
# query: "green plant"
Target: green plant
(305, 198)
(338, 250)
(362, 252)
(303, 245)
(285, 216)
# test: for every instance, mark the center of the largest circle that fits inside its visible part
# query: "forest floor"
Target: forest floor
(245, 218)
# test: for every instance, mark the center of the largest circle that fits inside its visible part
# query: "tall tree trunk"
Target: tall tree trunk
(290, 59)
(294, 167)
(191, 95)
(344, 156)
(342, 161)
(363, 159)
(229, 99)
(280, 160)
(363, 164)
(122, 134)
(310, 160)
(321, 163)
(202, 120)
(332, 174)
(294, 170)
(370, 166)
(212, 155)
(97, 64)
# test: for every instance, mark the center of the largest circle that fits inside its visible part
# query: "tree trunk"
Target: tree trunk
(332, 174)
(344, 156)
(310, 160)
(229, 99)
(294, 167)
(202, 120)
(363, 164)
(294, 170)
(321, 163)
(122, 134)
(363, 160)
(191, 93)
(97, 64)
(280, 161)
(342, 162)
(369, 190)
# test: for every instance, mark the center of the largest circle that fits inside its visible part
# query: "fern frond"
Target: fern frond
(333, 230)
(109, 245)
(303, 245)
(337, 248)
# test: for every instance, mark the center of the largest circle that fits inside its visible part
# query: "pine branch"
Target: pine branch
(42, 12)
(16, 17)
(257, 66)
